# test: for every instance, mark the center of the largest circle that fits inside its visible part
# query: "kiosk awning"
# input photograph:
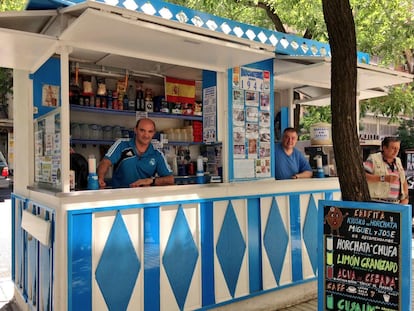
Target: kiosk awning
(110, 36)
(25, 51)
(311, 76)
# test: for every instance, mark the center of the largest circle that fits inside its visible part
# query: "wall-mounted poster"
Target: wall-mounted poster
(47, 142)
(251, 79)
(251, 122)
(365, 260)
(210, 114)
(50, 95)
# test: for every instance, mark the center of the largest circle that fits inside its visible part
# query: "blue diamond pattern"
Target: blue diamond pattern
(230, 249)
(180, 258)
(118, 267)
(309, 227)
(275, 240)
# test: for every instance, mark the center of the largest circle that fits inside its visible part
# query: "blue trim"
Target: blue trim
(254, 245)
(295, 238)
(13, 236)
(230, 161)
(48, 73)
(45, 4)
(207, 253)
(32, 265)
(329, 195)
(151, 259)
(80, 255)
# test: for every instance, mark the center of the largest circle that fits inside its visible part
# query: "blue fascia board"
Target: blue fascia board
(49, 4)
(284, 44)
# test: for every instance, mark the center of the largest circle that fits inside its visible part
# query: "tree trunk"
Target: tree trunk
(348, 154)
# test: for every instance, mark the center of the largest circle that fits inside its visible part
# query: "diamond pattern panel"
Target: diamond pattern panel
(230, 249)
(118, 267)
(309, 227)
(180, 258)
(275, 240)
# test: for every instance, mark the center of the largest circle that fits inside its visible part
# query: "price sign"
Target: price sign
(362, 266)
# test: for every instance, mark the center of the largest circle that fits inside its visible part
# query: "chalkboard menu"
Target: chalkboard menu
(362, 258)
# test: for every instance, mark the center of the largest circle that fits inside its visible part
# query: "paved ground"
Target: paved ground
(6, 285)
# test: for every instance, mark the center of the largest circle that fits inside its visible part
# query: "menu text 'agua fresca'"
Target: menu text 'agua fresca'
(362, 266)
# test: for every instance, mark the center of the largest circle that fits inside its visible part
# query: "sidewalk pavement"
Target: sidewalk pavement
(6, 284)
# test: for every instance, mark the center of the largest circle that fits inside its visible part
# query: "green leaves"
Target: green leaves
(312, 115)
(12, 5)
(397, 105)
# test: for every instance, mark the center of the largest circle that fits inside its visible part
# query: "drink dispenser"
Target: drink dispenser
(93, 183)
(316, 153)
(319, 167)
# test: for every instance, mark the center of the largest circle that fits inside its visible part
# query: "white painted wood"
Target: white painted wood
(16, 45)
(37, 227)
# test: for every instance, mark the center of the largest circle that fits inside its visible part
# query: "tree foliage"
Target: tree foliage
(6, 74)
(398, 103)
(383, 28)
(405, 132)
(311, 116)
(12, 5)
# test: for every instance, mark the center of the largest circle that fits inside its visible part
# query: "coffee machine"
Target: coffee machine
(328, 159)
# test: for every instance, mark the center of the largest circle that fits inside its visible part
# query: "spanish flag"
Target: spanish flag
(179, 90)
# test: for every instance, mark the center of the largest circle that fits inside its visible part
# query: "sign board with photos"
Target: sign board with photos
(251, 123)
(365, 258)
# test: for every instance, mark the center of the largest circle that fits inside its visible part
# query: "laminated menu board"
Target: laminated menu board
(365, 256)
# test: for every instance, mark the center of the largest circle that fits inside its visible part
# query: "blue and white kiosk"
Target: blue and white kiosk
(249, 239)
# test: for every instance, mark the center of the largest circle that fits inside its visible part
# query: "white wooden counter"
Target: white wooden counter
(168, 248)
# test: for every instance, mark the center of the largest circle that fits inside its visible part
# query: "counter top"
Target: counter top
(180, 193)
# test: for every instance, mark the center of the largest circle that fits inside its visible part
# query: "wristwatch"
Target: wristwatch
(153, 181)
(382, 178)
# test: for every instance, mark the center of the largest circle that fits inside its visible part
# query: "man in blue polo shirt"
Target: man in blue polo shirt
(290, 162)
(136, 163)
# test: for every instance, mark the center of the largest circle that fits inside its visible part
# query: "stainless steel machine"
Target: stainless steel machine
(328, 159)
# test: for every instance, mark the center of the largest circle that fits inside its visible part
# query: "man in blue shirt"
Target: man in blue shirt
(136, 163)
(289, 161)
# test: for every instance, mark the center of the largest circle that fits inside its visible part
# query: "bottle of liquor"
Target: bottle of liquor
(149, 104)
(140, 99)
(131, 98)
(125, 102)
(74, 91)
